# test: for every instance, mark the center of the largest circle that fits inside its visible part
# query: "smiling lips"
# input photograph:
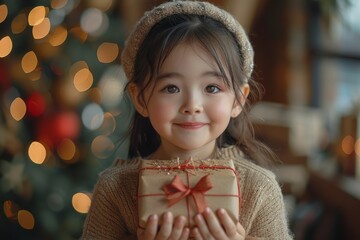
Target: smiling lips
(191, 125)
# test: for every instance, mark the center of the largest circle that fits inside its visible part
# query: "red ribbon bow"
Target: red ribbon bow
(177, 190)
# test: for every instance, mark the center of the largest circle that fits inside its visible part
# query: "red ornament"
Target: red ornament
(36, 104)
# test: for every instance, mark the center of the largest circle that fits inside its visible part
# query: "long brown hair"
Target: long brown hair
(221, 45)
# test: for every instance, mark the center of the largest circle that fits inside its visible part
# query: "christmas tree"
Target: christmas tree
(62, 111)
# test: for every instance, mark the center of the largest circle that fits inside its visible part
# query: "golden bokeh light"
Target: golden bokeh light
(83, 80)
(29, 62)
(26, 219)
(102, 147)
(37, 152)
(81, 202)
(42, 29)
(3, 12)
(37, 15)
(58, 36)
(103, 5)
(79, 33)
(107, 52)
(57, 4)
(6, 46)
(347, 145)
(19, 23)
(18, 109)
(66, 149)
(35, 75)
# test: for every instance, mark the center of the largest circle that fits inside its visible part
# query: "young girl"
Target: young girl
(189, 67)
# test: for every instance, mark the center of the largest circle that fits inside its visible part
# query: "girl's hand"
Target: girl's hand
(169, 229)
(220, 226)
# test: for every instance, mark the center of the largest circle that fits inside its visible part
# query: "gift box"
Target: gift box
(187, 188)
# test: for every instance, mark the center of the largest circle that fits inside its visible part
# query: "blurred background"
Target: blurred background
(63, 112)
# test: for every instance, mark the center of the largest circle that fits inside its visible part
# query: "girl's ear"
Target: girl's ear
(238, 105)
(138, 103)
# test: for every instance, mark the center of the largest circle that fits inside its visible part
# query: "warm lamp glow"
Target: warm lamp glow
(347, 145)
(58, 36)
(29, 62)
(36, 15)
(37, 152)
(357, 147)
(18, 109)
(107, 52)
(42, 29)
(81, 202)
(3, 12)
(26, 219)
(5, 46)
(83, 80)
(19, 23)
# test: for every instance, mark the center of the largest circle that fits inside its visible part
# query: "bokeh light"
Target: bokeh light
(58, 36)
(102, 147)
(36, 104)
(37, 152)
(79, 33)
(36, 15)
(29, 62)
(107, 52)
(18, 109)
(81, 202)
(94, 22)
(109, 125)
(11, 209)
(83, 80)
(57, 4)
(42, 29)
(112, 84)
(26, 219)
(3, 12)
(6, 46)
(92, 116)
(357, 147)
(19, 23)
(66, 149)
(347, 145)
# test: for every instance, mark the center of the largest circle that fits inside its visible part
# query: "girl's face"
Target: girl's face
(189, 104)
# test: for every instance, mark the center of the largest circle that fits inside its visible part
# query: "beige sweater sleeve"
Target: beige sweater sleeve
(104, 219)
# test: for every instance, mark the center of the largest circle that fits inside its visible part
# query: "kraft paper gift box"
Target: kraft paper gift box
(187, 188)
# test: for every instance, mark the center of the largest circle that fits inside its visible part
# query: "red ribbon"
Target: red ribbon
(177, 190)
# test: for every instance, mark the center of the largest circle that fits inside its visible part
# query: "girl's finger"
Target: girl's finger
(150, 227)
(203, 227)
(166, 226)
(213, 224)
(178, 227)
(227, 222)
(195, 233)
(185, 234)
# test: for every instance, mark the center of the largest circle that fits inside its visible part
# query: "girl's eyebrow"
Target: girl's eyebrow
(179, 75)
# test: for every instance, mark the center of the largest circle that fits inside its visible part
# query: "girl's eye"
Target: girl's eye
(170, 89)
(212, 89)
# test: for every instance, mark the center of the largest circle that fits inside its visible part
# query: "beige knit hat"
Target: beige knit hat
(158, 13)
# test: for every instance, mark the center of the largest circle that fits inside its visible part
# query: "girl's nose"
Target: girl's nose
(191, 105)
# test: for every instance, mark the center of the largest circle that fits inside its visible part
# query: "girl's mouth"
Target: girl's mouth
(191, 125)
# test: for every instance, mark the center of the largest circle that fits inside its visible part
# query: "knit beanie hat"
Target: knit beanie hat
(158, 13)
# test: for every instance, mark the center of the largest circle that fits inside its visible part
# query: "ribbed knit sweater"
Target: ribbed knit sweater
(113, 212)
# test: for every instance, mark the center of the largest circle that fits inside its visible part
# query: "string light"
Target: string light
(66, 149)
(107, 52)
(3, 12)
(57, 4)
(81, 202)
(58, 36)
(102, 147)
(36, 15)
(26, 219)
(92, 116)
(18, 109)
(42, 29)
(19, 23)
(357, 147)
(29, 62)
(5, 46)
(37, 152)
(83, 80)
